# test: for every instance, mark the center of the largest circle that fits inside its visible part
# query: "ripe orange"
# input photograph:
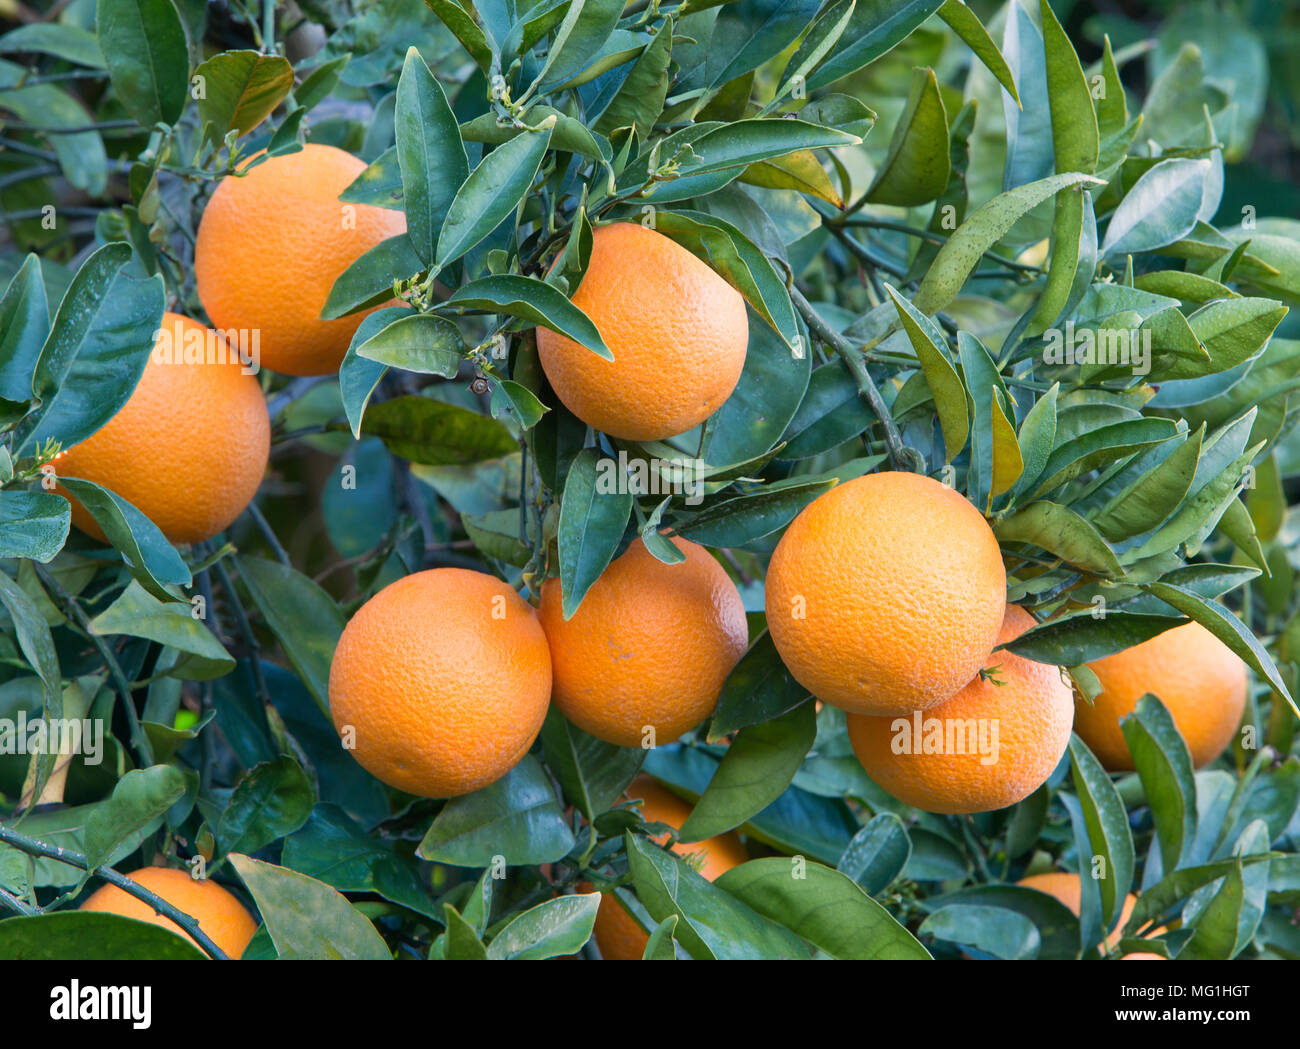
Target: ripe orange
(271, 244)
(677, 330)
(189, 448)
(885, 595)
(444, 676)
(219, 914)
(1066, 888)
(994, 744)
(648, 648)
(618, 935)
(1195, 675)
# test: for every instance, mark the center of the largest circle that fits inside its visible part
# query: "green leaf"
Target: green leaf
(513, 399)
(587, 25)
(660, 945)
(966, 24)
(916, 168)
(462, 24)
(998, 931)
(271, 801)
(758, 689)
(816, 44)
(59, 39)
(334, 848)
(945, 384)
(1106, 821)
(416, 342)
(832, 411)
(437, 433)
(1076, 140)
(1168, 780)
(33, 524)
(491, 192)
(568, 135)
(740, 263)
(1162, 207)
(1216, 926)
(91, 936)
(96, 351)
(754, 772)
(823, 906)
(358, 377)
(735, 522)
(876, 27)
(1160, 897)
(531, 300)
(301, 615)
(305, 918)
(1037, 437)
(1103, 445)
(517, 818)
(430, 153)
(369, 280)
(877, 854)
(24, 327)
(320, 82)
(762, 30)
(1073, 261)
(143, 43)
(151, 558)
(752, 419)
(553, 928)
(1150, 498)
(241, 89)
(138, 799)
(712, 923)
(34, 639)
(592, 773)
(1074, 640)
(958, 257)
(80, 151)
(461, 942)
(1062, 532)
(592, 521)
(640, 99)
(749, 141)
(1220, 622)
(1233, 331)
(137, 613)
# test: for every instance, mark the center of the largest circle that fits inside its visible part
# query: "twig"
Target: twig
(935, 238)
(272, 540)
(34, 847)
(78, 613)
(902, 457)
(245, 628)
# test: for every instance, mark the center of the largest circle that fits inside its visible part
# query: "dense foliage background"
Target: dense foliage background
(906, 242)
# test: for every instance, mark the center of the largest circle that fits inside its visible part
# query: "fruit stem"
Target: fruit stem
(902, 457)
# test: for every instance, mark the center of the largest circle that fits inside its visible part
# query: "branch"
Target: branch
(902, 457)
(33, 847)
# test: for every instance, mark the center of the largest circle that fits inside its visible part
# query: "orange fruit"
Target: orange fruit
(885, 595)
(996, 741)
(648, 648)
(440, 682)
(1194, 674)
(219, 914)
(618, 935)
(189, 447)
(1066, 888)
(678, 333)
(270, 245)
